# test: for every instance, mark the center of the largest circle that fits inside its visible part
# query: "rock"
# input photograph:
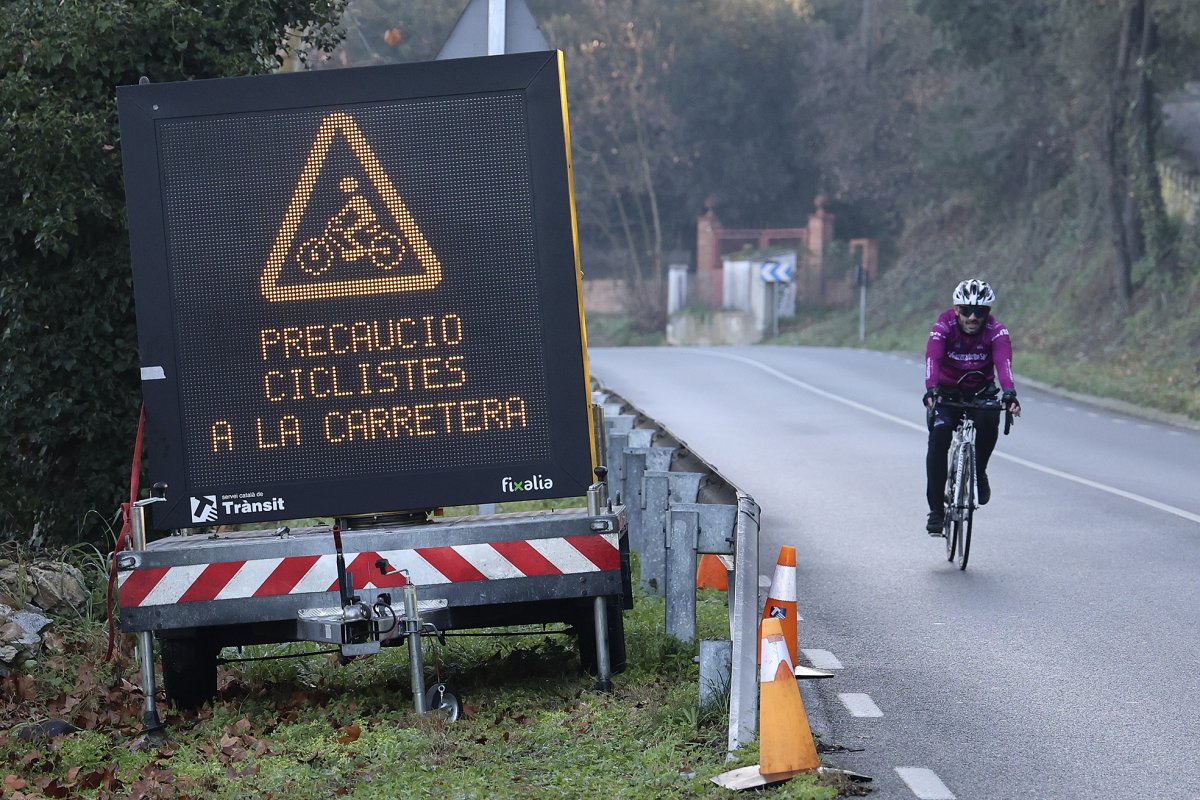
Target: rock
(19, 639)
(55, 586)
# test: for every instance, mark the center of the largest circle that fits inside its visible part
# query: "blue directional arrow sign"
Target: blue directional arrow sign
(776, 272)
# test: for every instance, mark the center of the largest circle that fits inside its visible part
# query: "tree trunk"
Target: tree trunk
(864, 32)
(1157, 236)
(1124, 221)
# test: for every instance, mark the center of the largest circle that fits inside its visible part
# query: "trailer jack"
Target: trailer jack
(360, 627)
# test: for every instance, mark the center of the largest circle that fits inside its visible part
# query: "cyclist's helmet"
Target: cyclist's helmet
(974, 292)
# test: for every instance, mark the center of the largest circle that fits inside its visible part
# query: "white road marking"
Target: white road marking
(924, 783)
(1137, 498)
(859, 705)
(821, 659)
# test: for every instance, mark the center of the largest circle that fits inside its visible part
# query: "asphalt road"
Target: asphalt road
(1063, 663)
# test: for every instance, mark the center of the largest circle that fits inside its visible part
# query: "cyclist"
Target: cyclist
(968, 350)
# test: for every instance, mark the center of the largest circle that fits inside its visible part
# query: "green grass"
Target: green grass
(309, 728)
(617, 330)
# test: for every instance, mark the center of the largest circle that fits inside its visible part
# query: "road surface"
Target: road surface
(1063, 663)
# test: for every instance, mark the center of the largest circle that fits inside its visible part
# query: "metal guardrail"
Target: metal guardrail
(681, 507)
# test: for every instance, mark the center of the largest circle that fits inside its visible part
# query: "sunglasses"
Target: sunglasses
(975, 311)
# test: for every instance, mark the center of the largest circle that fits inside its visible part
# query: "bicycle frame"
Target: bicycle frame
(962, 487)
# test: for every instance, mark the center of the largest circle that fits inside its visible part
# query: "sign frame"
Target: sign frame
(565, 471)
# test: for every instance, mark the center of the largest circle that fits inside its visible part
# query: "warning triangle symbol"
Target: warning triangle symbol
(355, 234)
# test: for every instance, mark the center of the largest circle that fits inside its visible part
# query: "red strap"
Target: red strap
(123, 537)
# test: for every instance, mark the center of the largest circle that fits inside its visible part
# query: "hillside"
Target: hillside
(1050, 269)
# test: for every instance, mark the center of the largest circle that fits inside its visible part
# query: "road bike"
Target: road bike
(962, 488)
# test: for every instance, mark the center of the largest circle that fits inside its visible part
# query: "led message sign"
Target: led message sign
(358, 290)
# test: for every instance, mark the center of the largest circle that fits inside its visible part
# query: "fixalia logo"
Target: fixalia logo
(536, 482)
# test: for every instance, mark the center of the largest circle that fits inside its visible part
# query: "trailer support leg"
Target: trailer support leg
(150, 720)
(412, 623)
(603, 661)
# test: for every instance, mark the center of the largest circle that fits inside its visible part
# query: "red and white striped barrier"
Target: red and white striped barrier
(232, 580)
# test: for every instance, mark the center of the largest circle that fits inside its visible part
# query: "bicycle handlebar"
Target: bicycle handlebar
(985, 403)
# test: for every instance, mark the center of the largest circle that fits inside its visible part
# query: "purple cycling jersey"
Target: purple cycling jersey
(950, 354)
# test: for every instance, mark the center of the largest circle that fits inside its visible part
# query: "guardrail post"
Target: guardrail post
(744, 613)
(716, 663)
(682, 533)
(635, 465)
(617, 443)
(656, 499)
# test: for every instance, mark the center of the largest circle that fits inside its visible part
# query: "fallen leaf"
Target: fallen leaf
(91, 779)
(350, 733)
(14, 783)
(50, 787)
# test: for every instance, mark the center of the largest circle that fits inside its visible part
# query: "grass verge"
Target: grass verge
(308, 728)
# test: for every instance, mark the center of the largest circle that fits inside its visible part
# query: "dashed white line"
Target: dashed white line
(924, 783)
(821, 659)
(860, 705)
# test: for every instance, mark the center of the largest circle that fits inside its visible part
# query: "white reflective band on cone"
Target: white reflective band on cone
(774, 653)
(783, 586)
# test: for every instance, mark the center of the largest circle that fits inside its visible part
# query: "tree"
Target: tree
(1077, 85)
(624, 138)
(391, 32)
(69, 388)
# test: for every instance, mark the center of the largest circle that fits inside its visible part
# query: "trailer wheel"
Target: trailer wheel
(189, 671)
(585, 630)
(441, 700)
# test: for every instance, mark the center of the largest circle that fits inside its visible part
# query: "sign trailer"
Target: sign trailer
(358, 294)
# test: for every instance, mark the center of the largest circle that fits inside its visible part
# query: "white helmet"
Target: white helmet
(974, 292)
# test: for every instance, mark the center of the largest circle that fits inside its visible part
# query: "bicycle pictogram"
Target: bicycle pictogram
(350, 236)
(353, 236)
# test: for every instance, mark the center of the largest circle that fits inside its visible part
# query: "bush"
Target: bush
(69, 390)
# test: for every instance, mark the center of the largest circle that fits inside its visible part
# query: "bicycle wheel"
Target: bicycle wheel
(386, 250)
(966, 506)
(950, 526)
(315, 256)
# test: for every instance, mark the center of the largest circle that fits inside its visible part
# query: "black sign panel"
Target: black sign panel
(358, 290)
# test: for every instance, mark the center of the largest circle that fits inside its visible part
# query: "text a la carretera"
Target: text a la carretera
(347, 426)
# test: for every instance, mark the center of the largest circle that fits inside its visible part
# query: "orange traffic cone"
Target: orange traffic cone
(711, 574)
(785, 740)
(781, 600)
